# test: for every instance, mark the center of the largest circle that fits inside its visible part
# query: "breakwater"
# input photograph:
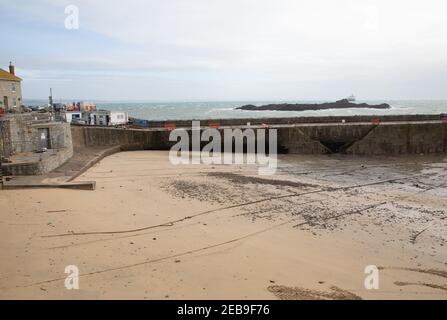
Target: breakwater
(359, 135)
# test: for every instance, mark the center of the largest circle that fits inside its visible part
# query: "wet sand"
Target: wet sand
(152, 230)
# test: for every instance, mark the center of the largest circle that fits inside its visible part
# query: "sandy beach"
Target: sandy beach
(152, 230)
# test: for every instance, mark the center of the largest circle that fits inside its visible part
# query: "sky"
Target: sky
(212, 50)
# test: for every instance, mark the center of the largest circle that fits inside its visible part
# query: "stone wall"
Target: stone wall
(295, 120)
(359, 138)
(24, 130)
(47, 162)
(5, 139)
(395, 139)
(127, 138)
(24, 140)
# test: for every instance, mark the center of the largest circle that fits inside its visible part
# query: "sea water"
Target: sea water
(226, 110)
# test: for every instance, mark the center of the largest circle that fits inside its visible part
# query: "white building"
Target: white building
(118, 117)
(105, 118)
(69, 116)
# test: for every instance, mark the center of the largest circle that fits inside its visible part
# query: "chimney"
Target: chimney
(11, 68)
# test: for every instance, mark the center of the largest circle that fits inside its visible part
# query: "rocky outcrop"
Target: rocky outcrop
(340, 104)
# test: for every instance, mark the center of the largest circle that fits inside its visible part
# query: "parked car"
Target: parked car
(38, 108)
(77, 121)
(139, 122)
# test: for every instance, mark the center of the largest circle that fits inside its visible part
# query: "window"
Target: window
(14, 101)
(13, 87)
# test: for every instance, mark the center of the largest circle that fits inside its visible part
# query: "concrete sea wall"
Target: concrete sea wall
(297, 120)
(360, 138)
(366, 139)
(126, 138)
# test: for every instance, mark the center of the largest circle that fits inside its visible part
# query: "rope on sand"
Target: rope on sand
(172, 222)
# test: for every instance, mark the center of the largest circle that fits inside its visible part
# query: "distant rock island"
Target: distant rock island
(340, 104)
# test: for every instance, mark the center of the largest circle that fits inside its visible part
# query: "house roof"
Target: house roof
(5, 75)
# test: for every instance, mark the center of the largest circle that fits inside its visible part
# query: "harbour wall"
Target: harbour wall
(297, 120)
(21, 140)
(358, 138)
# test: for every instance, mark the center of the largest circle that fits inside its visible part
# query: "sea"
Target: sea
(226, 109)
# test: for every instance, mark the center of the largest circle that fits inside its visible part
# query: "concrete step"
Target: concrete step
(79, 185)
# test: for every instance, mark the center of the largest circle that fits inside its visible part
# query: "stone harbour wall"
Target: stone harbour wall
(48, 161)
(22, 140)
(351, 138)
